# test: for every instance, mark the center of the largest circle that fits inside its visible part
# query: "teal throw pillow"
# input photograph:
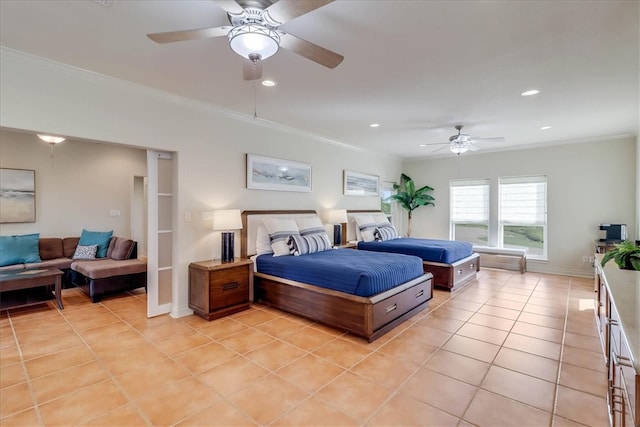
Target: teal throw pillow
(100, 238)
(19, 249)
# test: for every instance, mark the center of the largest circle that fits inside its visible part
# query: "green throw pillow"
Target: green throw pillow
(100, 238)
(19, 249)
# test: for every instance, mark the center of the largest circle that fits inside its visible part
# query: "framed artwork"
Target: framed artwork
(17, 195)
(361, 184)
(268, 173)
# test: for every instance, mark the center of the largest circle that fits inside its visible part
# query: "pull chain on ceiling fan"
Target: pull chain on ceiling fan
(254, 33)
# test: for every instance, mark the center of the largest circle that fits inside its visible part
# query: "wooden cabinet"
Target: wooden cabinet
(614, 327)
(218, 289)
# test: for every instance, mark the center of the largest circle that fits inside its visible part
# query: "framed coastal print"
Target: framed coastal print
(361, 184)
(17, 195)
(269, 173)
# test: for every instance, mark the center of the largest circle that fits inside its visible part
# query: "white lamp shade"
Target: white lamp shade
(227, 219)
(254, 39)
(337, 216)
(51, 139)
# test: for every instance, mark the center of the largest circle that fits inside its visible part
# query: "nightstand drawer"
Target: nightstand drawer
(228, 287)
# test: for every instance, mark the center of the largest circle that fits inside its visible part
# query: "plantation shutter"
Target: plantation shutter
(523, 200)
(470, 201)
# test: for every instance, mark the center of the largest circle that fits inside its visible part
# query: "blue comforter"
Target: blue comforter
(355, 272)
(445, 251)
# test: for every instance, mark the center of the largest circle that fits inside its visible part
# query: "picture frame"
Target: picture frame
(270, 173)
(361, 184)
(17, 195)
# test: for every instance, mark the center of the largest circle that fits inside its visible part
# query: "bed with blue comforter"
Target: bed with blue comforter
(444, 251)
(452, 262)
(359, 273)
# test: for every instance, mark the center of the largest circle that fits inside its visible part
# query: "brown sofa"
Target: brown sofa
(121, 270)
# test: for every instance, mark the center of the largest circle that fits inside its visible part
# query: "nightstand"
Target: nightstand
(349, 245)
(217, 289)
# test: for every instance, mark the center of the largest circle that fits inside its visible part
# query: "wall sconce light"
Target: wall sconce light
(51, 140)
(227, 220)
(337, 217)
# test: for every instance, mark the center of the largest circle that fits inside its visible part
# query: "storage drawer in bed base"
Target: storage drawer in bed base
(368, 317)
(453, 276)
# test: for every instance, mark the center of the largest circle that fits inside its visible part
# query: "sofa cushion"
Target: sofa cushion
(50, 248)
(85, 252)
(120, 248)
(60, 263)
(19, 249)
(100, 238)
(69, 246)
(99, 269)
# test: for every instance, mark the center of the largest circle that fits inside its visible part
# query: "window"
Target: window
(470, 211)
(386, 205)
(523, 214)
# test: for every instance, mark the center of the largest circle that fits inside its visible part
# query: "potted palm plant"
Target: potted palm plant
(625, 254)
(411, 198)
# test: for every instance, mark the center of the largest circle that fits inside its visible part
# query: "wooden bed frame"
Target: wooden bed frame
(451, 277)
(368, 317)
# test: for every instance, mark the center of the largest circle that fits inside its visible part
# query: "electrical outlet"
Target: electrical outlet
(187, 216)
(592, 259)
(585, 259)
(207, 215)
(114, 212)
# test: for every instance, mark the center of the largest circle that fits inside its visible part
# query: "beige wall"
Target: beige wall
(78, 187)
(210, 146)
(588, 184)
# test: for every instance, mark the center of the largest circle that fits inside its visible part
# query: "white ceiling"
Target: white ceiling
(416, 67)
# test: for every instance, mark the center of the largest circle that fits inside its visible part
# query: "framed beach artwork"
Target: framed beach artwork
(17, 195)
(268, 173)
(361, 184)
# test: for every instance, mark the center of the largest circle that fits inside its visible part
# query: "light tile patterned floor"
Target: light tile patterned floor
(509, 350)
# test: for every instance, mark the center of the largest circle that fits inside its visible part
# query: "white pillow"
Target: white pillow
(279, 230)
(309, 226)
(380, 218)
(263, 242)
(366, 226)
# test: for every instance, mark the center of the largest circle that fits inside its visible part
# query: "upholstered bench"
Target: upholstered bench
(507, 258)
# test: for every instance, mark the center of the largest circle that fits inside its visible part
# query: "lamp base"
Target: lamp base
(337, 234)
(227, 251)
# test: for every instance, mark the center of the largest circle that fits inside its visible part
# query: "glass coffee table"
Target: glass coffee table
(19, 288)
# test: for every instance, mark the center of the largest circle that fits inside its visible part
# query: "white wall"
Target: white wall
(78, 187)
(39, 95)
(587, 184)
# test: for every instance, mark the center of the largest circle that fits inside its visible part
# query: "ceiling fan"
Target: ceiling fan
(255, 32)
(462, 142)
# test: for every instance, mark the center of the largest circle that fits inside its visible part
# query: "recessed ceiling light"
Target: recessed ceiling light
(545, 127)
(530, 92)
(422, 145)
(374, 125)
(268, 83)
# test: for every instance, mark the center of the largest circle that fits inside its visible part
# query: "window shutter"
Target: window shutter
(470, 201)
(523, 200)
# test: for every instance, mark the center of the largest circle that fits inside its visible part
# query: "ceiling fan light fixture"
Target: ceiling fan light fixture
(253, 39)
(459, 147)
(51, 139)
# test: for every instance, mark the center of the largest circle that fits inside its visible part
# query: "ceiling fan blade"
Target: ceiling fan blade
(229, 6)
(436, 150)
(284, 11)
(437, 143)
(251, 70)
(495, 139)
(184, 35)
(310, 51)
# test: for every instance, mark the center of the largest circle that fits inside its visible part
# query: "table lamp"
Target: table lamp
(337, 217)
(227, 220)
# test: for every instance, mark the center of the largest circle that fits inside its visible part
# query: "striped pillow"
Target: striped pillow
(279, 230)
(385, 232)
(366, 226)
(301, 245)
